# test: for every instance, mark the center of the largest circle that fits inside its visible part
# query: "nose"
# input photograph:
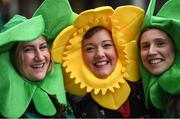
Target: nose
(152, 50)
(38, 55)
(100, 53)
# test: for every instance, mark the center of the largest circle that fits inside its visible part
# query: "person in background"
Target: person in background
(31, 84)
(98, 55)
(159, 52)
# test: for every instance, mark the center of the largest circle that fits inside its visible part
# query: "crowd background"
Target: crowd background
(9, 8)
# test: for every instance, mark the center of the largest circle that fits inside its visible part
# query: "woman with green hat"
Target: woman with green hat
(159, 50)
(31, 85)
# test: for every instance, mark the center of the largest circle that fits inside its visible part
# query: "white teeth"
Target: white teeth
(38, 66)
(100, 63)
(155, 61)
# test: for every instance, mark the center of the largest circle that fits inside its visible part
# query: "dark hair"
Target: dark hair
(93, 30)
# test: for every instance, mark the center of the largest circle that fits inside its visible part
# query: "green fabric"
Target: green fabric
(57, 15)
(157, 88)
(16, 91)
(20, 29)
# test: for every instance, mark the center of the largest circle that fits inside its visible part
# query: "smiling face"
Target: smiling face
(99, 53)
(157, 51)
(35, 59)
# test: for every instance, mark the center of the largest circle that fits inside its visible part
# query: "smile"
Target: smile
(101, 63)
(38, 65)
(155, 61)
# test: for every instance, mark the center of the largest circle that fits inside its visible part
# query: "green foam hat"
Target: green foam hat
(57, 15)
(20, 29)
(157, 88)
(16, 91)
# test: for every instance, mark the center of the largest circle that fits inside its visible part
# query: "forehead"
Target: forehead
(38, 41)
(154, 35)
(99, 36)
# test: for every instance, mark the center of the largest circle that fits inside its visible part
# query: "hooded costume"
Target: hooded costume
(124, 23)
(156, 88)
(16, 91)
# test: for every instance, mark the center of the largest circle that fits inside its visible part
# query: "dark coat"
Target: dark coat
(86, 107)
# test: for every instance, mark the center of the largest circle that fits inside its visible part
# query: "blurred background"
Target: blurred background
(8, 8)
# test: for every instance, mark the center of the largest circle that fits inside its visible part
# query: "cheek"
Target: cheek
(144, 58)
(143, 55)
(112, 53)
(48, 56)
(114, 58)
(171, 55)
(26, 59)
(88, 58)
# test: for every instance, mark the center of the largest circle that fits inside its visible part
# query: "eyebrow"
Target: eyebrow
(107, 41)
(87, 44)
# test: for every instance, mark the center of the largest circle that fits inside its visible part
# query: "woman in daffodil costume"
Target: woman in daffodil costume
(159, 51)
(31, 85)
(99, 58)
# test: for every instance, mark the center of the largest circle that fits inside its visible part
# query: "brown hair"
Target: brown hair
(93, 30)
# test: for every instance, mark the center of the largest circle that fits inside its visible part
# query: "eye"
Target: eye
(44, 47)
(145, 46)
(90, 49)
(107, 45)
(28, 49)
(160, 44)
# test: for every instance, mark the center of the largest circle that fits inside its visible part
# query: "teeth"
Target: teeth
(100, 63)
(155, 61)
(38, 66)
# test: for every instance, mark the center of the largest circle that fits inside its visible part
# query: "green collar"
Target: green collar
(16, 92)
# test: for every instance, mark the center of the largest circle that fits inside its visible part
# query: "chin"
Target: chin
(157, 72)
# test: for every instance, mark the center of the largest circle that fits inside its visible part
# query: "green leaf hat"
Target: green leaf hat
(16, 91)
(156, 88)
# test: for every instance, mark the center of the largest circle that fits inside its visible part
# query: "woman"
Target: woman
(31, 86)
(98, 55)
(23, 91)
(159, 51)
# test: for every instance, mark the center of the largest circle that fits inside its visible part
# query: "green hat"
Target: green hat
(16, 91)
(57, 15)
(157, 88)
(20, 29)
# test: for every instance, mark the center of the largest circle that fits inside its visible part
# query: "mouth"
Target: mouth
(155, 61)
(37, 66)
(100, 63)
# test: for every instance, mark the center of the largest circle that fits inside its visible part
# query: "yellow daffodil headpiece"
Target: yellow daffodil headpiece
(124, 23)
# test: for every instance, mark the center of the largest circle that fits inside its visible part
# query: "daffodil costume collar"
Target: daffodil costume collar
(16, 91)
(124, 23)
(157, 88)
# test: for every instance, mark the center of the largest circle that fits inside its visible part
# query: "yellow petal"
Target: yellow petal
(133, 71)
(73, 88)
(60, 43)
(129, 19)
(132, 51)
(113, 100)
(89, 16)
